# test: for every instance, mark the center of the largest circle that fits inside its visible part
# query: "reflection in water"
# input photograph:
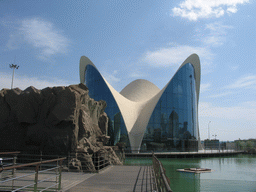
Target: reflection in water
(181, 181)
(229, 173)
(249, 160)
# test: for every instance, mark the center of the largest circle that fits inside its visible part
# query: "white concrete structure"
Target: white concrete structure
(139, 98)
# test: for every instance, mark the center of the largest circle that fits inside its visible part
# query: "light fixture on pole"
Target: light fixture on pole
(214, 136)
(209, 130)
(12, 66)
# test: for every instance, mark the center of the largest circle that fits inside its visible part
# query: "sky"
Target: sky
(131, 39)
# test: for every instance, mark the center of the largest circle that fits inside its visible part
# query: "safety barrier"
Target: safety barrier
(83, 161)
(98, 161)
(162, 181)
(8, 158)
(19, 179)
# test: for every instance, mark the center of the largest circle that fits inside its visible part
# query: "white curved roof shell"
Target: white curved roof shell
(138, 100)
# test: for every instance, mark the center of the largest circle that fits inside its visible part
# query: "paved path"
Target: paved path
(69, 179)
(113, 178)
(118, 178)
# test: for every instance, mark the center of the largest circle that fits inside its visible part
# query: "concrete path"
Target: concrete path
(69, 179)
(118, 178)
(112, 178)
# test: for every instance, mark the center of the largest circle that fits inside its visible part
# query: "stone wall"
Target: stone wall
(54, 120)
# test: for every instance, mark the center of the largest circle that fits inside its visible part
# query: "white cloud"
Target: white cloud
(197, 9)
(14, 42)
(23, 82)
(137, 74)
(111, 78)
(244, 111)
(234, 67)
(174, 56)
(221, 94)
(41, 35)
(216, 35)
(204, 87)
(244, 82)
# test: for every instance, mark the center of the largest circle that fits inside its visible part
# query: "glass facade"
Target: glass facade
(98, 90)
(173, 123)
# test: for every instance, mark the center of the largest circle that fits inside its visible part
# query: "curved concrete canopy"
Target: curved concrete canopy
(140, 90)
(137, 108)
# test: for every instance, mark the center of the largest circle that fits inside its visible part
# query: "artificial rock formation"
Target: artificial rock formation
(55, 120)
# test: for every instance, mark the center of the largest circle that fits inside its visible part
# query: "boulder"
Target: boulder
(55, 120)
(75, 164)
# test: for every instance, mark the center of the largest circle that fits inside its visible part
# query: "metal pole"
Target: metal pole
(209, 130)
(12, 77)
(36, 178)
(13, 67)
(13, 170)
(60, 170)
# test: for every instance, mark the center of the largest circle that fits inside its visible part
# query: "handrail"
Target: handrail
(99, 160)
(30, 164)
(36, 181)
(163, 183)
(8, 153)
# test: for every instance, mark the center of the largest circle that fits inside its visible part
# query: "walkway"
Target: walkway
(118, 178)
(200, 154)
(68, 179)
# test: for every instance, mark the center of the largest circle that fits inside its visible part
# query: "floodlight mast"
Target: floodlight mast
(12, 66)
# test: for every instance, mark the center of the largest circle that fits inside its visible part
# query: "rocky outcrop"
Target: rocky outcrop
(56, 120)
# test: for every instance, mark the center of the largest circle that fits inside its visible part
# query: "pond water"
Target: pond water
(229, 173)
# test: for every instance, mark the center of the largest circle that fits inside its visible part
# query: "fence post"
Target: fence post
(60, 170)
(13, 170)
(41, 158)
(36, 177)
(97, 160)
(68, 160)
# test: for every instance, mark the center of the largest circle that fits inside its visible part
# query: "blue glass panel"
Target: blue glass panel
(173, 123)
(98, 90)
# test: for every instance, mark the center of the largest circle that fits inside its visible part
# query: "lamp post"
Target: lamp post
(12, 66)
(209, 130)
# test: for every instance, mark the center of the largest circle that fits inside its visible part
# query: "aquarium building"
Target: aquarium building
(145, 118)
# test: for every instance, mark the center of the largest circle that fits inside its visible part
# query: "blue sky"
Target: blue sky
(133, 39)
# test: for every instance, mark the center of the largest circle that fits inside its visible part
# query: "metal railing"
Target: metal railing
(98, 160)
(187, 150)
(8, 159)
(56, 178)
(82, 161)
(162, 181)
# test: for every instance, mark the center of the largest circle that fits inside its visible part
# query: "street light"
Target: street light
(209, 130)
(12, 66)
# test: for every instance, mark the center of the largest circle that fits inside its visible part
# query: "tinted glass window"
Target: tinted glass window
(98, 90)
(173, 123)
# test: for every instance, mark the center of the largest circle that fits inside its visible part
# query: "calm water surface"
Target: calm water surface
(229, 173)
